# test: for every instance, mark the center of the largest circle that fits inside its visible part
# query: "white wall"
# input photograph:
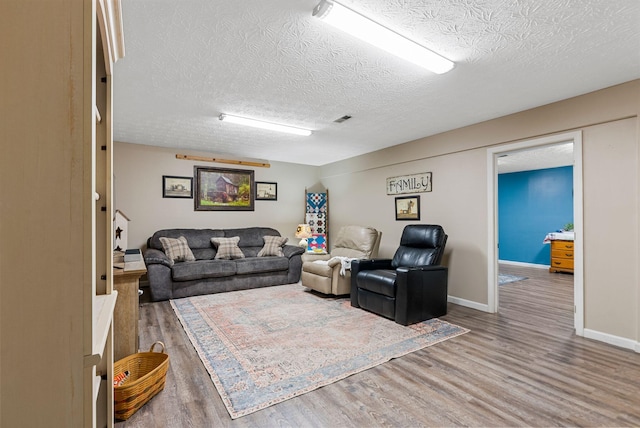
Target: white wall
(138, 172)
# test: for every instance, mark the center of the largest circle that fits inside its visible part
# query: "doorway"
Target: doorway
(492, 194)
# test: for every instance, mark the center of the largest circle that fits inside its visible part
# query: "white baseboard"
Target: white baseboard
(522, 264)
(468, 303)
(612, 340)
(589, 334)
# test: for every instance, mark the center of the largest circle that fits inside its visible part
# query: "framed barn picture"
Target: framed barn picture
(222, 189)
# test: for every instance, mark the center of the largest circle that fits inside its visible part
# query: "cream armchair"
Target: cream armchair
(351, 242)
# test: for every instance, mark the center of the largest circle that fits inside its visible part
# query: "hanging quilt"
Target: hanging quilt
(316, 216)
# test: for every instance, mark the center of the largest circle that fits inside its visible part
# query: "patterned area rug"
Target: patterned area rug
(267, 345)
(505, 279)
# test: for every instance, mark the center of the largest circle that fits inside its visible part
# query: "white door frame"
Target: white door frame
(492, 203)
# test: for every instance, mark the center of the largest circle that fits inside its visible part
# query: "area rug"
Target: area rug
(505, 279)
(267, 345)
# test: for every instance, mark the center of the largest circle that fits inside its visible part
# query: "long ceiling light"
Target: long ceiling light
(264, 125)
(357, 25)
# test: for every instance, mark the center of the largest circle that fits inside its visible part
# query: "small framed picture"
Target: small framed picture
(408, 208)
(266, 191)
(177, 187)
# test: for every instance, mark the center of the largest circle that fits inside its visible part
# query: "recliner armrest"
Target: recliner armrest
(333, 262)
(370, 264)
(421, 293)
(311, 257)
(419, 268)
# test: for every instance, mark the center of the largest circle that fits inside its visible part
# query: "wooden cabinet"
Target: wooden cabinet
(106, 30)
(561, 256)
(126, 281)
(57, 303)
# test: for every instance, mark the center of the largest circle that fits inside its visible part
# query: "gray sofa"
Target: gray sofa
(207, 275)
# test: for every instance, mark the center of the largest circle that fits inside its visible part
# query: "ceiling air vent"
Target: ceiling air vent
(342, 119)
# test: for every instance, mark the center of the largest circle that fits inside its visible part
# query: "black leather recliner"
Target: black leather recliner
(409, 288)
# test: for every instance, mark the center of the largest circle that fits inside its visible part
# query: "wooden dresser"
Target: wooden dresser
(561, 256)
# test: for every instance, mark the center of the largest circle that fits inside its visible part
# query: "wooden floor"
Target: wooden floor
(520, 367)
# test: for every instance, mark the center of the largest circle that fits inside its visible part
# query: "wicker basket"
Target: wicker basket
(147, 373)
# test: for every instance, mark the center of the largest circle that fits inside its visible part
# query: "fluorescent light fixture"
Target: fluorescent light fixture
(357, 25)
(264, 125)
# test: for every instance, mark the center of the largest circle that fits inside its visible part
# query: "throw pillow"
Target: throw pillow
(273, 246)
(177, 249)
(227, 248)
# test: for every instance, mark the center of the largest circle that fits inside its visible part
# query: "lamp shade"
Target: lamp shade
(303, 231)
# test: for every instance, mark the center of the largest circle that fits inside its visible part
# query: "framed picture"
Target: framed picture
(221, 189)
(177, 187)
(408, 208)
(266, 191)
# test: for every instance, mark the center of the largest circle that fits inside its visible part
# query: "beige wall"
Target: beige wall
(360, 198)
(138, 172)
(458, 160)
(610, 155)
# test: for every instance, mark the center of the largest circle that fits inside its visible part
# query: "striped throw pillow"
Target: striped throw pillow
(227, 248)
(272, 246)
(177, 249)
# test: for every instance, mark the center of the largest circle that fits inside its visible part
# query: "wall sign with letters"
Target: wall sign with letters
(414, 183)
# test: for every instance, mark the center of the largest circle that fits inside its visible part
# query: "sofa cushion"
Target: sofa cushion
(177, 249)
(261, 264)
(379, 281)
(251, 236)
(227, 248)
(202, 269)
(420, 245)
(355, 242)
(272, 246)
(204, 253)
(251, 251)
(321, 268)
(197, 238)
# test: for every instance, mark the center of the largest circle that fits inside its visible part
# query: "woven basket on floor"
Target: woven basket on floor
(147, 373)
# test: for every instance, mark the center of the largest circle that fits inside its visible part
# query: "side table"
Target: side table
(126, 279)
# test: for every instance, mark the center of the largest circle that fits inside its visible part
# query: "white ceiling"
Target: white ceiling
(188, 61)
(553, 156)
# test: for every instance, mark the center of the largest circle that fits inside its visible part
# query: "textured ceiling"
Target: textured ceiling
(187, 61)
(553, 156)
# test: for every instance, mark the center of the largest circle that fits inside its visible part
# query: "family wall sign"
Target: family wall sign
(414, 183)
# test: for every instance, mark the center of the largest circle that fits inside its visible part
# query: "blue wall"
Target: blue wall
(530, 205)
